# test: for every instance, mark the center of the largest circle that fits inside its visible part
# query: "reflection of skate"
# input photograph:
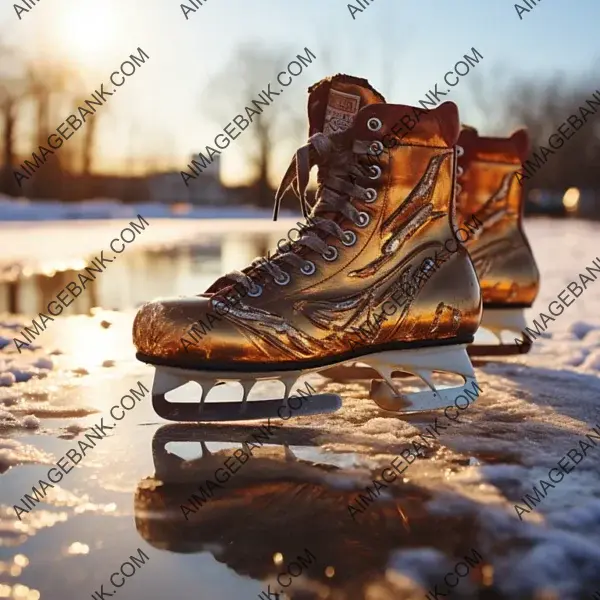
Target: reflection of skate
(358, 285)
(277, 504)
(270, 461)
(500, 251)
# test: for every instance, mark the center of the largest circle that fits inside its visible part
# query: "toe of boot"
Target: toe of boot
(161, 327)
(187, 331)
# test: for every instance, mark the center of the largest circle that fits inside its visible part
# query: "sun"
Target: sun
(87, 32)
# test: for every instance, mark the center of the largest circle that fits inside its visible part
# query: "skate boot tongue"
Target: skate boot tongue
(334, 102)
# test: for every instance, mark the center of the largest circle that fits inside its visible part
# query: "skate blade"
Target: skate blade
(248, 411)
(500, 320)
(353, 371)
(169, 378)
(422, 363)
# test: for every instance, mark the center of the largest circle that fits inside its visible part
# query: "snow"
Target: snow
(7, 379)
(19, 370)
(13, 453)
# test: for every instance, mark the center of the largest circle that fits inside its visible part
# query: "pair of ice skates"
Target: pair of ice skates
(400, 254)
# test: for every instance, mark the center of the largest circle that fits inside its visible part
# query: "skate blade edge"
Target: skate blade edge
(246, 411)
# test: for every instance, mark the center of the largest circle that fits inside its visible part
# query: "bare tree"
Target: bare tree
(542, 105)
(10, 101)
(231, 90)
(12, 94)
(489, 95)
(48, 85)
(89, 139)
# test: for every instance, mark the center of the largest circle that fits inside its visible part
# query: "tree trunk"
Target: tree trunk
(8, 183)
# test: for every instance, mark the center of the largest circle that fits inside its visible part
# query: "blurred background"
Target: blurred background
(202, 71)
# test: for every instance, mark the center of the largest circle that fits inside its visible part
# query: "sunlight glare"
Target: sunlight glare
(88, 31)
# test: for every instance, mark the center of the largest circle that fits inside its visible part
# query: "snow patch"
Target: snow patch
(580, 329)
(13, 452)
(7, 379)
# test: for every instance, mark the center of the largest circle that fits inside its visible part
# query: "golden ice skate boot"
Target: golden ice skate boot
(508, 274)
(370, 278)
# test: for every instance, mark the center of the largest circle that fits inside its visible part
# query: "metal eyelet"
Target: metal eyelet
(459, 151)
(458, 189)
(372, 195)
(220, 305)
(256, 291)
(460, 171)
(349, 238)
(331, 254)
(363, 219)
(377, 170)
(376, 148)
(374, 124)
(308, 270)
(284, 279)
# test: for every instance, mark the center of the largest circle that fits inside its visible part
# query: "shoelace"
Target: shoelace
(459, 170)
(336, 166)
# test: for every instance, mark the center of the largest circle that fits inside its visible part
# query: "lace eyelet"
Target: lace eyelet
(376, 170)
(458, 189)
(220, 305)
(372, 195)
(460, 171)
(284, 280)
(376, 148)
(349, 238)
(374, 124)
(256, 291)
(308, 270)
(459, 151)
(363, 219)
(331, 254)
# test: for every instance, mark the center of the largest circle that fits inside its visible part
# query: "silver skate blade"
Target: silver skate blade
(352, 371)
(235, 411)
(422, 363)
(507, 326)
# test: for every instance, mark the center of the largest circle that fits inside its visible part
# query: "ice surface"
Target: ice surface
(533, 410)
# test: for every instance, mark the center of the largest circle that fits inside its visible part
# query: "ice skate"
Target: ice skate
(508, 275)
(368, 280)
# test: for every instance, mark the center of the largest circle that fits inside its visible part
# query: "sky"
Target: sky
(159, 115)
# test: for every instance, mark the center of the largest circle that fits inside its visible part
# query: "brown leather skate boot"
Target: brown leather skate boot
(377, 275)
(505, 265)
